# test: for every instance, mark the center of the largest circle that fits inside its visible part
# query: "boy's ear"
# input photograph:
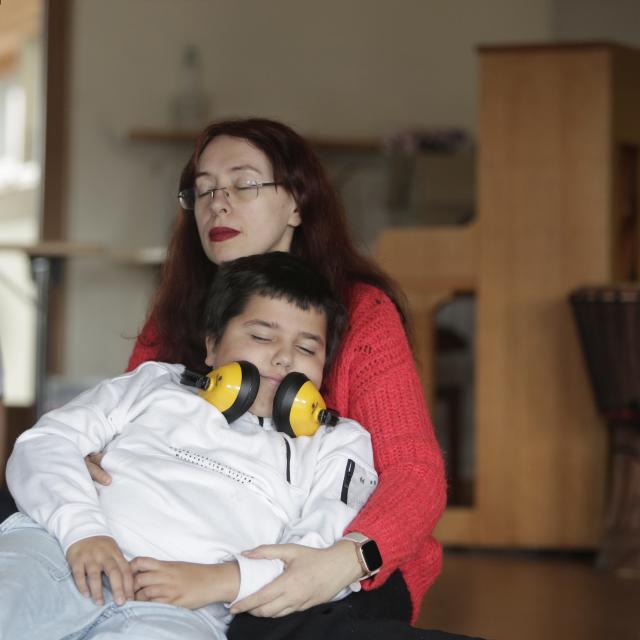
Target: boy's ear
(210, 344)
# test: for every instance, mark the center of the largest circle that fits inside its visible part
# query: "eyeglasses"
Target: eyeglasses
(236, 193)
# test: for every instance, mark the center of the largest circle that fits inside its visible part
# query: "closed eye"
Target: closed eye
(306, 350)
(260, 338)
(206, 193)
(243, 184)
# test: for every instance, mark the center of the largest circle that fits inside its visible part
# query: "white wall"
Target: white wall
(344, 68)
(583, 20)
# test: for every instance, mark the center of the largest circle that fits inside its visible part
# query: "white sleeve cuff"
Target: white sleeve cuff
(255, 573)
(72, 523)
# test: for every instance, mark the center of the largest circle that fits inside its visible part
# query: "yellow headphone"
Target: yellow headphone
(298, 407)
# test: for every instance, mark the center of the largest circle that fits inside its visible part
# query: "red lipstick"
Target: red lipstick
(220, 234)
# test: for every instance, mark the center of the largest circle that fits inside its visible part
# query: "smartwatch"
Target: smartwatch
(368, 553)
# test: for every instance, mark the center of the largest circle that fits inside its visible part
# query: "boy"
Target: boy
(188, 489)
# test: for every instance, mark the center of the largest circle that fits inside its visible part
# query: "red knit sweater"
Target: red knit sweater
(374, 381)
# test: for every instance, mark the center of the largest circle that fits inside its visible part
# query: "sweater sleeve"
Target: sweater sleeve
(146, 346)
(385, 395)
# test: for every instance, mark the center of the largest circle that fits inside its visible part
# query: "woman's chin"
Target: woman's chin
(221, 252)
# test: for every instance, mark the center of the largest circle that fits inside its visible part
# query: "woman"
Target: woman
(253, 186)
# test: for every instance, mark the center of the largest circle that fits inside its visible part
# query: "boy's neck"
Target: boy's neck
(261, 419)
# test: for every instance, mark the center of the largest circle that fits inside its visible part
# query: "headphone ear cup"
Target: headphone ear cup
(232, 388)
(298, 406)
(284, 400)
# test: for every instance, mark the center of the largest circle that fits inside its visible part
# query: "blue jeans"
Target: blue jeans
(39, 599)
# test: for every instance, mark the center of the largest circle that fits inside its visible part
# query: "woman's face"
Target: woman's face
(229, 228)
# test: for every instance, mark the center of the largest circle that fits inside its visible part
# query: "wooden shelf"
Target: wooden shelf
(325, 144)
(52, 249)
(143, 256)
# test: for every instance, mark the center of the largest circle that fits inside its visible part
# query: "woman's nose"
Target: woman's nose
(219, 201)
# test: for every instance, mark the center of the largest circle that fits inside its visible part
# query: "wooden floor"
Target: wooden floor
(511, 596)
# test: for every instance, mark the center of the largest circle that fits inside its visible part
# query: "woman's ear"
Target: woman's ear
(210, 344)
(295, 220)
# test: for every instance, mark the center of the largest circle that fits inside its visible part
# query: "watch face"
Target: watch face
(371, 555)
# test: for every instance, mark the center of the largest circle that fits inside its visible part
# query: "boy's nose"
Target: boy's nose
(282, 358)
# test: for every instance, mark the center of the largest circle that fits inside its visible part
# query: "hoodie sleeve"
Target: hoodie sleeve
(46, 472)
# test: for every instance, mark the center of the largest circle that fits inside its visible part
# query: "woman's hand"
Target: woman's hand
(90, 558)
(184, 584)
(311, 577)
(97, 473)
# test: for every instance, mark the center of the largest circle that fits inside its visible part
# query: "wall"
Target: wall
(583, 20)
(331, 68)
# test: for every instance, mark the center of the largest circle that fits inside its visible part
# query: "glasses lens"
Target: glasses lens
(244, 190)
(187, 199)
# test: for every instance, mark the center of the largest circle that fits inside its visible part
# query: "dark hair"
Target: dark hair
(322, 239)
(276, 275)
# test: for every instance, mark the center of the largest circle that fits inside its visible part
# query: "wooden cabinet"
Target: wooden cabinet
(559, 133)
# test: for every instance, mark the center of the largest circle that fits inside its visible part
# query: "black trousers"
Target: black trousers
(381, 614)
(7, 505)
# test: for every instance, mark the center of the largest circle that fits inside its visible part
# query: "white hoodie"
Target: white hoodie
(186, 485)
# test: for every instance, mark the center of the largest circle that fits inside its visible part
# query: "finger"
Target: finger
(121, 579)
(154, 593)
(140, 596)
(257, 600)
(116, 583)
(144, 579)
(127, 581)
(94, 578)
(274, 609)
(285, 612)
(80, 578)
(142, 563)
(96, 457)
(270, 552)
(98, 474)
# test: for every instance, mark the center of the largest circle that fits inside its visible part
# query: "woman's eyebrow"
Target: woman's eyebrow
(240, 167)
(244, 167)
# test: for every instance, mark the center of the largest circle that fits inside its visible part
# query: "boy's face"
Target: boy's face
(278, 338)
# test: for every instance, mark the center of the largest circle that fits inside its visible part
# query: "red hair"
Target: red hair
(322, 239)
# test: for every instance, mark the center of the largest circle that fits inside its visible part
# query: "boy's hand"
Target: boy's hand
(90, 558)
(184, 584)
(97, 473)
